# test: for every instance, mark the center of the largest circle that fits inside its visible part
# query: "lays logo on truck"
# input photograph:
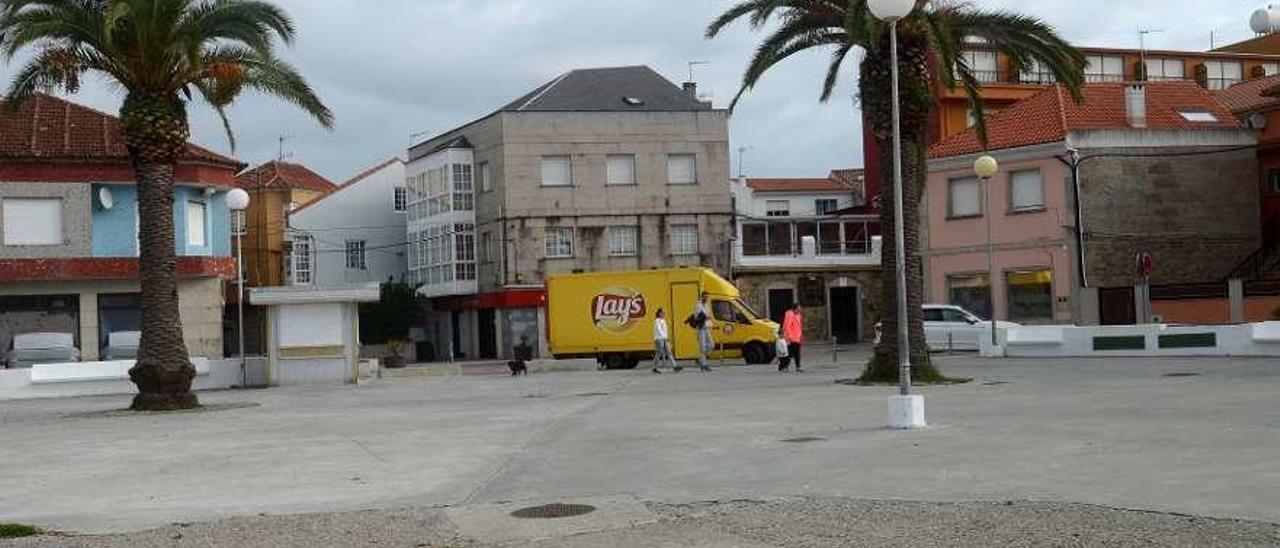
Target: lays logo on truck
(617, 308)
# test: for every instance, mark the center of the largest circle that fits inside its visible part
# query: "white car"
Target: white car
(949, 327)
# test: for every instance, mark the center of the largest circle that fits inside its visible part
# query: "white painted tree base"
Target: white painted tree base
(906, 412)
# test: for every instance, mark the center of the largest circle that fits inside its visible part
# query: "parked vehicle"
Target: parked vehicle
(609, 316)
(949, 327)
(122, 345)
(30, 349)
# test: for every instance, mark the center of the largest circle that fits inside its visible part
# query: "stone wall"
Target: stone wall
(755, 288)
(1196, 214)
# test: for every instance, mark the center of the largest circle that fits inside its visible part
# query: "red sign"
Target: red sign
(1145, 264)
(617, 308)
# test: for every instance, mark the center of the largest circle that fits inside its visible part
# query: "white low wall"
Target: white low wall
(1052, 341)
(110, 378)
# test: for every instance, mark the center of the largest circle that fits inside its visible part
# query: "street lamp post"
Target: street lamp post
(238, 202)
(905, 411)
(986, 167)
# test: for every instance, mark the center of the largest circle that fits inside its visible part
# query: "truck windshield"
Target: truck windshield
(746, 310)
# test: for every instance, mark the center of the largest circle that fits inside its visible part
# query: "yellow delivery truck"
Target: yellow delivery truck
(609, 316)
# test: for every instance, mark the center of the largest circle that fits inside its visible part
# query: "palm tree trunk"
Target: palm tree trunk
(916, 101)
(156, 132)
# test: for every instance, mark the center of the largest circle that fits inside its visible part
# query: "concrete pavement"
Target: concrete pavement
(1111, 432)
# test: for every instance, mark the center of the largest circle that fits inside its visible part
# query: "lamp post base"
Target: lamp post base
(906, 412)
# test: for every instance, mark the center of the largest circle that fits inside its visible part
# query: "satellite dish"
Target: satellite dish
(1265, 20)
(1257, 121)
(105, 199)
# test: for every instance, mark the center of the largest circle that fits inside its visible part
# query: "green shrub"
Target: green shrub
(16, 530)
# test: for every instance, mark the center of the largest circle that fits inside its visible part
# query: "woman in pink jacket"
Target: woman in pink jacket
(793, 332)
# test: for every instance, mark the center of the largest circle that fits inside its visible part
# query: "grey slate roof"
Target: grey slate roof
(607, 90)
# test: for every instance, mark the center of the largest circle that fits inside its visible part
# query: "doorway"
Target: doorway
(455, 325)
(488, 334)
(843, 304)
(779, 301)
(1116, 306)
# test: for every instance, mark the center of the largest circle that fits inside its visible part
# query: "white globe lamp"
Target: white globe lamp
(986, 167)
(891, 10)
(238, 199)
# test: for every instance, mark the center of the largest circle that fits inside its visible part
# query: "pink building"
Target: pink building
(1159, 168)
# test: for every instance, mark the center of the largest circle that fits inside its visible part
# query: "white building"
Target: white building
(355, 234)
(837, 281)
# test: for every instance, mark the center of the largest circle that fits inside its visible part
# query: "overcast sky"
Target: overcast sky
(391, 69)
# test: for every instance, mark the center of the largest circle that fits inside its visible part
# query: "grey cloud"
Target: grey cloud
(391, 68)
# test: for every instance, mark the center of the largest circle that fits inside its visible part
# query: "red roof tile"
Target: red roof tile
(839, 180)
(49, 128)
(1250, 95)
(1048, 116)
(277, 174)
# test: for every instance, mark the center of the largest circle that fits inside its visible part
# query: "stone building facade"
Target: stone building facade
(598, 170)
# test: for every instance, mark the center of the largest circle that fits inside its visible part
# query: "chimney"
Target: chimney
(691, 89)
(1135, 105)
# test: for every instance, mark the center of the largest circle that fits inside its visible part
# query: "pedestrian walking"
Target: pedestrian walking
(793, 332)
(662, 344)
(701, 320)
(780, 349)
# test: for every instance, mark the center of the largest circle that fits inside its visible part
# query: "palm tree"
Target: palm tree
(160, 53)
(935, 35)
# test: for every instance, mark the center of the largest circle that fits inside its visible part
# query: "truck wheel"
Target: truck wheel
(755, 353)
(614, 361)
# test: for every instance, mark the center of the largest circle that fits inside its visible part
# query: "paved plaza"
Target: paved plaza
(457, 454)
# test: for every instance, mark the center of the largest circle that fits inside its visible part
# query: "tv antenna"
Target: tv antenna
(1142, 46)
(282, 139)
(693, 64)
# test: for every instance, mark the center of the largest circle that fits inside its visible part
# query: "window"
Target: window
(971, 292)
(1166, 69)
(780, 240)
(622, 241)
(486, 184)
(724, 311)
(1030, 294)
(33, 221)
(1199, 116)
(755, 239)
(985, 65)
(1102, 68)
(1270, 68)
(1036, 73)
(1026, 190)
(464, 190)
(237, 223)
(356, 255)
(401, 199)
(684, 240)
(556, 171)
(302, 260)
(196, 224)
(1273, 180)
(487, 249)
(777, 208)
(559, 242)
(464, 253)
(621, 169)
(826, 206)
(682, 169)
(1224, 74)
(965, 198)
(933, 314)
(954, 316)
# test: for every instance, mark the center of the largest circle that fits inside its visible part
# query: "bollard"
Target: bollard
(951, 347)
(835, 351)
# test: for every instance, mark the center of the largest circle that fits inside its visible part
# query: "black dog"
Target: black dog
(518, 368)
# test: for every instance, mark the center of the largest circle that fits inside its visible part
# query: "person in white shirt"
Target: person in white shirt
(662, 343)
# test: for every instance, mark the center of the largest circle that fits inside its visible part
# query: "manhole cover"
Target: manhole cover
(1175, 375)
(549, 511)
(803, 439)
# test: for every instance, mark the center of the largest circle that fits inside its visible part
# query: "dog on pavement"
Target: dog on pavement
(518, 367)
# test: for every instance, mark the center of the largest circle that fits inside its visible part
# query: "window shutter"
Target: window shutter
(33, 221)
(682, 169)
(966, 199)
(621, 169)
(1027, 191)
(556, 171)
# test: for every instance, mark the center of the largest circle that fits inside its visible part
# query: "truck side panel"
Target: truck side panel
(594, 314)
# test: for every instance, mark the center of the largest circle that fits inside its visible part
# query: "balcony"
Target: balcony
(779, 245)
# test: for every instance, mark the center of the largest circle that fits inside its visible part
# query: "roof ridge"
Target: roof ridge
(1062, 111)
(546, 89)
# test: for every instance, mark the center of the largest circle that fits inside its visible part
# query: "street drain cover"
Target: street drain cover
(1181, 375)
(551, 511)
(803, 439)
